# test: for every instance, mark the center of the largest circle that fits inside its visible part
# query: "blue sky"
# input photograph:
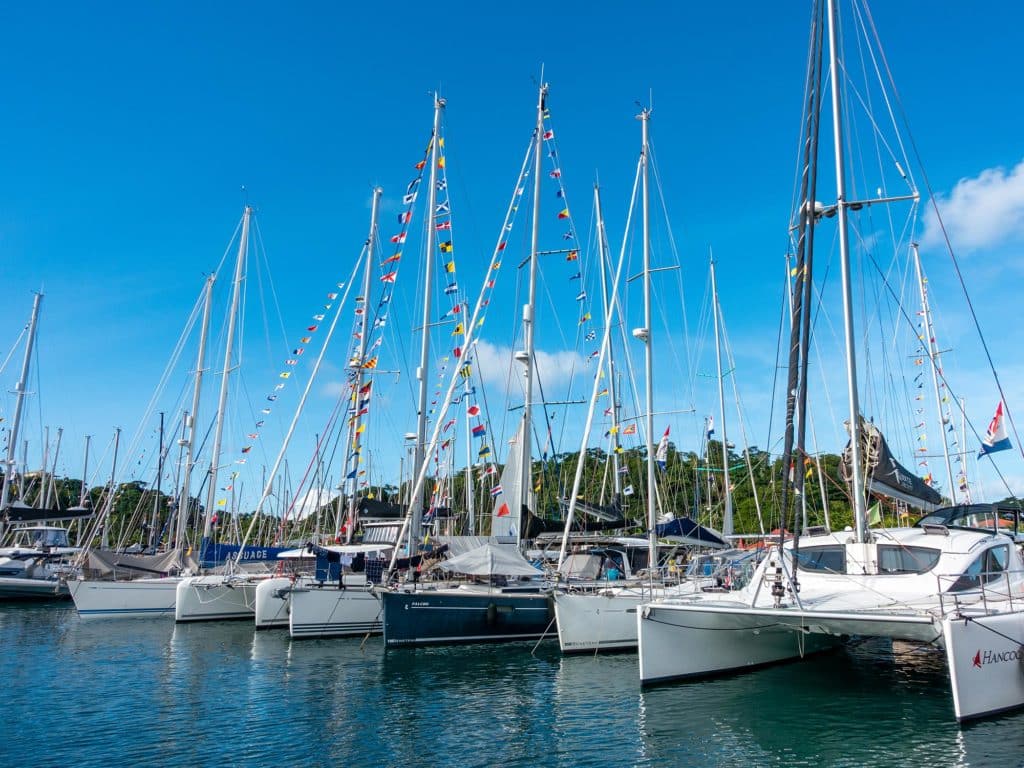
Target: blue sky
(130, 129)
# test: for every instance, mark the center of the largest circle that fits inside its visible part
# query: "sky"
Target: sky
(134, 134)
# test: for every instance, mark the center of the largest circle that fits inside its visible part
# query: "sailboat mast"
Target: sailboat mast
(470, 501)
(211, 490)
(602, 247)
(83, 493)
(352, 450)
(19, 404)
(419, 455)
(652, 535)
(151, 544)
(109, 506)
(189, 437)
(530, 308)
(727, 512)
(856, 469)
(933, 358)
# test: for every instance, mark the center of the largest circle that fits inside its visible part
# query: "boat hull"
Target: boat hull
(327, 611)
(272, 604)
(141, 598)
(985, 658)
(15, 588)
(460, 616)
(603, 621)
(215, 598)
(677, 642)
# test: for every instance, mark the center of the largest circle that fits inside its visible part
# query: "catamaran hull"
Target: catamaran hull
(328, 611)
(139, 599)
(15, 588)
(454, 617)
(272, 604)
(213, 598)
(677, 642)
(986, 663)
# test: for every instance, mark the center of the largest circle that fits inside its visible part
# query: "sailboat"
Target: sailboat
(102, 591)
(942, 582)
(593, 619)
(32, 565)
(336, 600)
(501, 596)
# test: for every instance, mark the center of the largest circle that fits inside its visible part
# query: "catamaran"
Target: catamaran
(955, 580)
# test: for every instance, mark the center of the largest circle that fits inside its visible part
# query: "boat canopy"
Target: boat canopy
(490, 560)
(683, 530)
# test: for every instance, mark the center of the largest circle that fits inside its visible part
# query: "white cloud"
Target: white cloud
(980, 212)
(313, 499)
(553, 368)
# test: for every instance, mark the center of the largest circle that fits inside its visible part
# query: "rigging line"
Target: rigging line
(674, 250)
(946, 239)
(17, 345)
(942, 376)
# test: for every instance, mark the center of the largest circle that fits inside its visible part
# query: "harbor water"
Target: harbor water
(152, 693)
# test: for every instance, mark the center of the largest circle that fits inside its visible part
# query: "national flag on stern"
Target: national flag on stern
(995, 438)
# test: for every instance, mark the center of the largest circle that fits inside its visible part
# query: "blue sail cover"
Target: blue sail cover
(686, 528)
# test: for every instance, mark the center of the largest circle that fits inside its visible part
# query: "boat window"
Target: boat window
(830, 558)
(893, 559)
(988, 566)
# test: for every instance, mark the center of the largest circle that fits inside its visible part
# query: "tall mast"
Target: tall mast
(156, 498)
(84, 490)
(189, 437)
(211, 490)
(933, 358)
(857, 469)
(419, 456)
(53, 470)
(529, 328)
(357, 383)
(109, 506)
(19, 404)
(602, 247)
(645, 336)
(470, 501)
(727, 512)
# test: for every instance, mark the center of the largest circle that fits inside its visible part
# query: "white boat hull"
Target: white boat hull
(986, 663)
(141, 598)
(605, 620)
(272, 604)
(327, 611)
(677, 642)
(215, 598)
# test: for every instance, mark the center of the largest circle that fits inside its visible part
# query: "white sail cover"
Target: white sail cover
(508, 502)
(491, 560)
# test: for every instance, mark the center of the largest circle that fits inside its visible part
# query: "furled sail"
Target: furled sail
(508, 502)
(885, 475)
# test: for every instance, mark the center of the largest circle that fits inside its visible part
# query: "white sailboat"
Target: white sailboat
(944, 582)
(603, 618)
(318, 605)
(150, 596)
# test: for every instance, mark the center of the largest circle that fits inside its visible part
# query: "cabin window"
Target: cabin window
(907, 559)
(831, 558)
(988, 566)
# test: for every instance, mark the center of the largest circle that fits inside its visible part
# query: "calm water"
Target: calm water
(151, 693)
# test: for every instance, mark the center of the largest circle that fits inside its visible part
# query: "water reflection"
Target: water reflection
(151, 692)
